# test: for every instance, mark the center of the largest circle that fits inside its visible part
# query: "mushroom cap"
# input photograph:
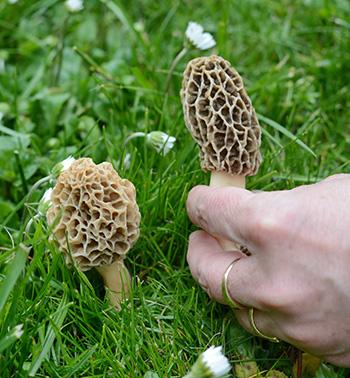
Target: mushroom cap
(220, 116)
(94, 214)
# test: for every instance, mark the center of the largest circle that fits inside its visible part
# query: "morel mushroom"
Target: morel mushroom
(220, 116)
(95, 221)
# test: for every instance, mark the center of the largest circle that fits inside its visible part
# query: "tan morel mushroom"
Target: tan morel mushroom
(95, 221)
(220, 116)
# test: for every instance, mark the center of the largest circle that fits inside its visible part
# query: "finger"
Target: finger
(341, 359)
(208, 264)
(263, 321)
(336, 177)
(222, 212)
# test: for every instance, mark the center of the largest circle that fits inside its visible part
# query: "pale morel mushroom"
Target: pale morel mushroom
(220, 116)
(95, 220)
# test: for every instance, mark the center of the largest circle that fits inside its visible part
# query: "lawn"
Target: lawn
(79, 84)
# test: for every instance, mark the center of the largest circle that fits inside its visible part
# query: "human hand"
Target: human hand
(297, 277)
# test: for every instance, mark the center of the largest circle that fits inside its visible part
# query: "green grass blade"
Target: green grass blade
(13, 271)
(56, 323)
(272, 138)
(81, 361)
(122, 16)
(287, 133)
(12, 133)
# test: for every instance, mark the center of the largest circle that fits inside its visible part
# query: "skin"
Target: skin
(297, 277)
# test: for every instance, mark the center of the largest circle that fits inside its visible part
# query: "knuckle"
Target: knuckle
(278, 295)
(271, 225)
(276, 300)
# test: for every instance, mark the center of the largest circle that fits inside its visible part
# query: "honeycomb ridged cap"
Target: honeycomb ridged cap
(220, 116)
(94, 214)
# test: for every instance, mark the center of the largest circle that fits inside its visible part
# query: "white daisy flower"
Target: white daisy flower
(210, 364)
(62, 166)
(161, 142)
(216, 361)
(197, 37)
(74, 5)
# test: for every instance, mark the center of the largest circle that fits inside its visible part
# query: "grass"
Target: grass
(80, 84)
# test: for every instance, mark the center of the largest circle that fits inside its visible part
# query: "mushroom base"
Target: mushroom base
(117, 280)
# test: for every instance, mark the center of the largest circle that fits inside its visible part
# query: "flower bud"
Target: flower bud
(160, 141)
(45, 202)
(62, 166)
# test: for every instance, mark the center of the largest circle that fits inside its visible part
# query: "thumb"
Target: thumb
(222, 212)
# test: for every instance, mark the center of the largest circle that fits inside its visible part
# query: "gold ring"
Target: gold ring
(225, 293)
(256, 329)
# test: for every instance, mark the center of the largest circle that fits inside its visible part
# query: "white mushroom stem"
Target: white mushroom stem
(117, 280)
(220, 180)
